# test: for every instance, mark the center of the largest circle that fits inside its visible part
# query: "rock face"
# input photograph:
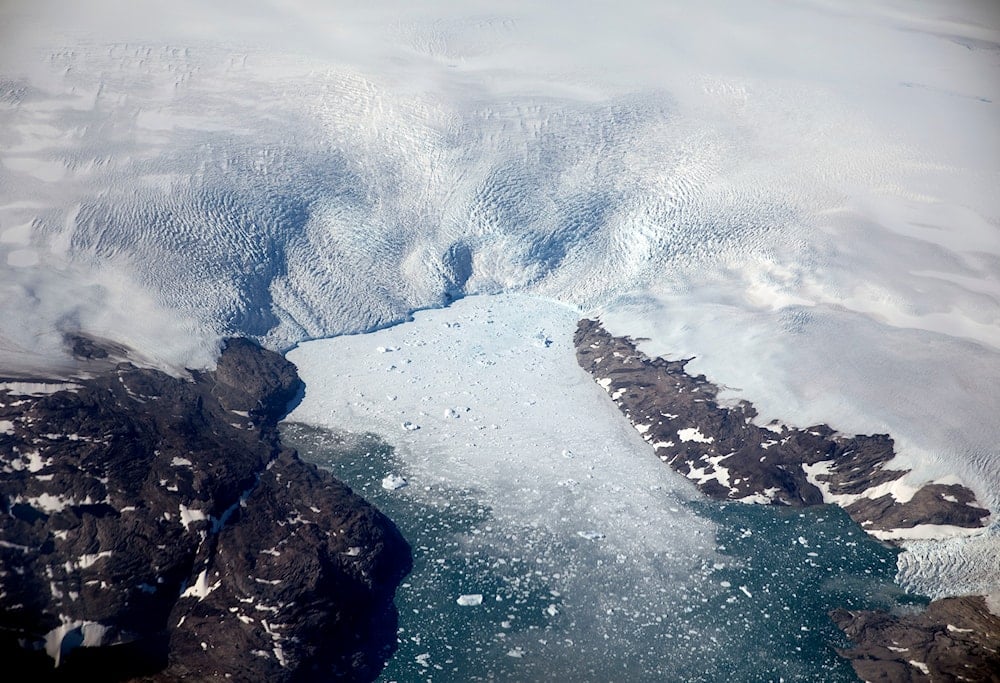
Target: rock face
(954, 639)
(154, 527)
(729, 457)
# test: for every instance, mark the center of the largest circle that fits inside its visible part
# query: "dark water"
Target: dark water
(757, 611)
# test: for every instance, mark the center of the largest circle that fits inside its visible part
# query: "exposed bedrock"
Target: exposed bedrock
(954, 639)
(154, 527)
(729, 457)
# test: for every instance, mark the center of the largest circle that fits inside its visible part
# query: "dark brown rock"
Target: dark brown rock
(729, 457)
(145, 515)
(954, 639)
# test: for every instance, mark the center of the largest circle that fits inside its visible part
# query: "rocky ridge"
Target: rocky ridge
(155, 527)
(729, 457)
(954, 639)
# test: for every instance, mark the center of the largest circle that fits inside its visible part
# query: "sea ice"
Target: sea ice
(608, 526)
(491, 365)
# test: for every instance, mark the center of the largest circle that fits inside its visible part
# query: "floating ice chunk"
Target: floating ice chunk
(180, 462)
(6, 427)
(920, 665)
(392, 482)
(517, 653)
(470, 600)
(746, 591)
(410, 427)
(552, 610)
(590, 535)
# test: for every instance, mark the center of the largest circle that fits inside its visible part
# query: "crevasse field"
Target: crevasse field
(801, 195)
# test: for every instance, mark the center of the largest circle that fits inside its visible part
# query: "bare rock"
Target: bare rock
(153, 526)
(954, 639)
(729, 457)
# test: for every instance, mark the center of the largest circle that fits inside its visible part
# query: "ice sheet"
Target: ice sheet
(390, 156)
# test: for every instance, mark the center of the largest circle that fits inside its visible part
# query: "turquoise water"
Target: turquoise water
(755, 611)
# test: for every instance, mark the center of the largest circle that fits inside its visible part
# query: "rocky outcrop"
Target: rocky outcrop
(954, 639)
(729, 457)
(153, 526)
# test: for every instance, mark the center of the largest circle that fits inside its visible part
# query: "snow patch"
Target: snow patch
(84, 634)
(38, 388)
(190, 515)
(693, 434)
(201, 588)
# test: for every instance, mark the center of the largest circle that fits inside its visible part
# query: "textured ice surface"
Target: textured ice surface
(386, 157)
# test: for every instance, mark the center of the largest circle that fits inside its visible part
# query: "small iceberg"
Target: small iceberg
(392, 482)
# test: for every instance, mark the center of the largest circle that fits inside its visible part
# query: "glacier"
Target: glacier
(814, 219)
